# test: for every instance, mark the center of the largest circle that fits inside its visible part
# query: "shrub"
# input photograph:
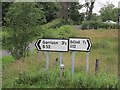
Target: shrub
(91, 24)
(104, 44)
(102, 80)
(66, 31)
(53, 24)
(51, 79)
(50, 33)
(22, 27)
(98, 24)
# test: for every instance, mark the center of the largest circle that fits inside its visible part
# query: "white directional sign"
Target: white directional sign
(79, 44)
(52, 44)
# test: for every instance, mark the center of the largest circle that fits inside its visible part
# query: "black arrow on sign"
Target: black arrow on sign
(38, 44)
(88, 44)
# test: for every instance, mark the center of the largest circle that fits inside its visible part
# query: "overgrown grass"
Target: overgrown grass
(52, 79)
(7, 59)
(30, 71)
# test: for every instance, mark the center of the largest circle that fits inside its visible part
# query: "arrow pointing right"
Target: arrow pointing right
(88, 44)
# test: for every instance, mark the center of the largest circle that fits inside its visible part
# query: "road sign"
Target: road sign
(79, 44)
(52, 44)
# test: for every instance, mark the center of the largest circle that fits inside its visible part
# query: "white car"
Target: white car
(110, 21)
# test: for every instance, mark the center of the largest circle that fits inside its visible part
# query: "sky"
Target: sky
(99, 3)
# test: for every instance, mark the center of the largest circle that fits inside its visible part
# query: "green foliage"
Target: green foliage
(114, 13)
(21, 20)
(50, 33)
(91, 81)
(91, 24)
(108, 12)
(109, 25)
(50, 9)
(5, 8)
(52, 79)
(98, 24)
(69, 12)
(52, 30)
(66, 31)
(35, 76)
(104, 44)
(74, 12)
(56, 23)
(7, 59)
(94, 16)
(5, 35)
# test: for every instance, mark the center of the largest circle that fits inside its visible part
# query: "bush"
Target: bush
(56, 29)
(53, 24)
(5, 34)
(52, 79)
(66, 31)
(22, 27)
(50, 33)
(104, 44)
(109, 25)
(97, 25)
(102, 80)
(91, 24)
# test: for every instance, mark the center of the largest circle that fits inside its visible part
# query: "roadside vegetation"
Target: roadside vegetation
(30, 71)
(24, 23)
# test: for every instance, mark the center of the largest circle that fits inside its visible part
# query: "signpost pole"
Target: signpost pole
(73, 59)
(87, 62)
(60, 58)
(47, 60)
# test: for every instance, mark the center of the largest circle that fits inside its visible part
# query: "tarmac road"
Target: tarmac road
(5, 53)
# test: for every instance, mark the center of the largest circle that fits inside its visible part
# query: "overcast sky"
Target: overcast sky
(99, 4)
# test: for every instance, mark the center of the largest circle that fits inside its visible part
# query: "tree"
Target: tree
(63, 12)
(74, 12)
(106, 12)
(94, 16)
(5, 7)
(114, 14)
(90, 6)
(50, 9)
(21, 20)
(70, 10)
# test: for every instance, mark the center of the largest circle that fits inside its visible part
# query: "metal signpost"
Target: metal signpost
(80, 44)
(59, 45)
(60, 58)
(47, 60)
(87, 62)
(73, 60)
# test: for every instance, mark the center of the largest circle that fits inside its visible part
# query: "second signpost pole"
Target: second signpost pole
(87, 62)
(73, 60)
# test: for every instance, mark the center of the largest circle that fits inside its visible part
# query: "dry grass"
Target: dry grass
(108, 56)
(98, 33)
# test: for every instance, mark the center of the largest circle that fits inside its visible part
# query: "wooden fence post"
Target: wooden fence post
(96, 66)
(56, 62)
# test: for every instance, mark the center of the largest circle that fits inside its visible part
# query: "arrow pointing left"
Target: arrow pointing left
(37, 44)
(52, 45)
